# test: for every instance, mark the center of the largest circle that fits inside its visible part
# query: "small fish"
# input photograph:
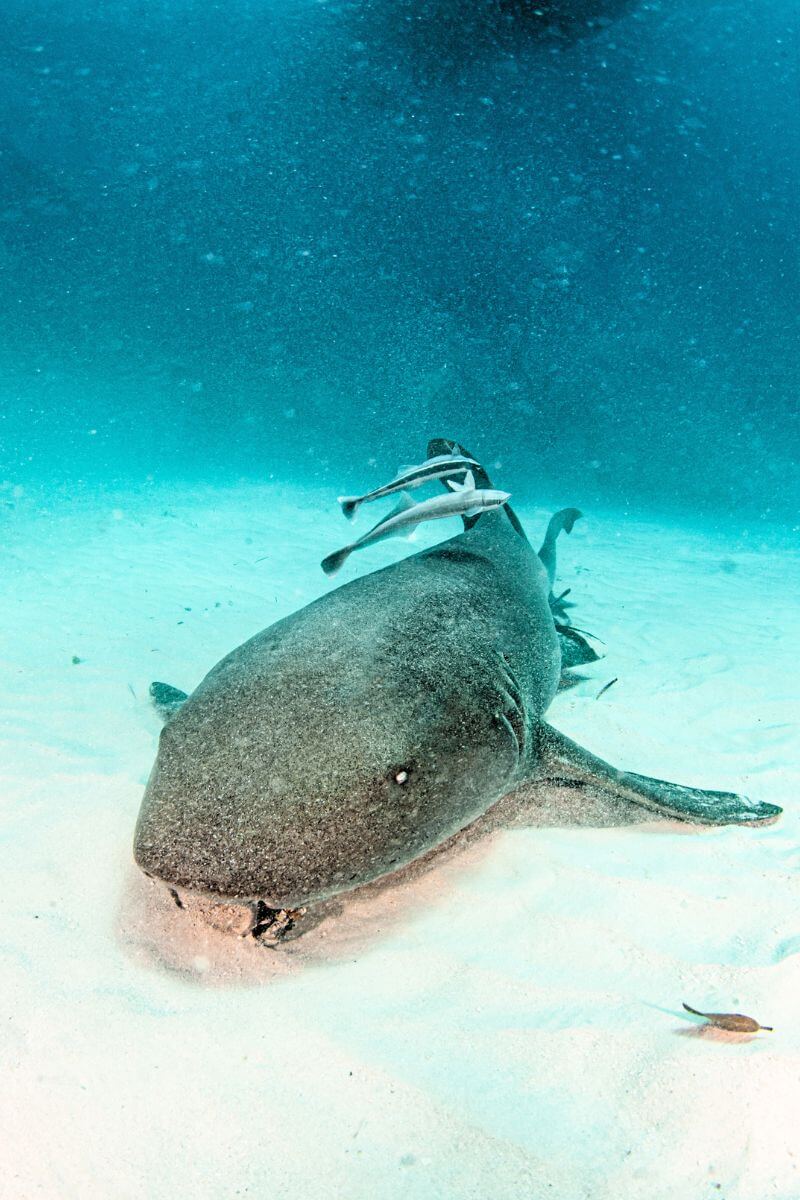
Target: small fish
(733, 1022)
(463, 501)
(440, 467)
(606, 686)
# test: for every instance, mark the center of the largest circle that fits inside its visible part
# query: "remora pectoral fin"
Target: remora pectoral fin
(561, 758)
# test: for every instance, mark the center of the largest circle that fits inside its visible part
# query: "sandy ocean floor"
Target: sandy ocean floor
(502, 1021)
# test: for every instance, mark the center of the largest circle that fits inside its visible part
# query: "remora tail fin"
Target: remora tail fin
(349, 505)
(333, 562)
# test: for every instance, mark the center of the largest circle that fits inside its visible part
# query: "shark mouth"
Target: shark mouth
(242, 918)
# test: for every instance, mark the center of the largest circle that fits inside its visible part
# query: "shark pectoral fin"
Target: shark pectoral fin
(166, 699)
(561, 758)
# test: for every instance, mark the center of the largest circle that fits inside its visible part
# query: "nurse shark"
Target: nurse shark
(352, 737)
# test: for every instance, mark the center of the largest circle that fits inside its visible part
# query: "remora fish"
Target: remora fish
(732, 1022)
(353, 736)
(462, 501)
(441, 466)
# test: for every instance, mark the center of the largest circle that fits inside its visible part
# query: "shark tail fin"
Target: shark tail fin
(564, 519)
(568, 518)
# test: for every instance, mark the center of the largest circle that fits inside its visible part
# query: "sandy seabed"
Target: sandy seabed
(501, 1021)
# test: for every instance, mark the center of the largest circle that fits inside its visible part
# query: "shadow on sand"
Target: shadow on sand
(156, 933)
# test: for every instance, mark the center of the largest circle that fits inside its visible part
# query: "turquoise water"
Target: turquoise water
(280, 240)
(253, 256)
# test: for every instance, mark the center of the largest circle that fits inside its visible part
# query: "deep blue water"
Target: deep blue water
(260, 238)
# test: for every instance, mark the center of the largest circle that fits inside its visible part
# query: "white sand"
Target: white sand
(503, 1022)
